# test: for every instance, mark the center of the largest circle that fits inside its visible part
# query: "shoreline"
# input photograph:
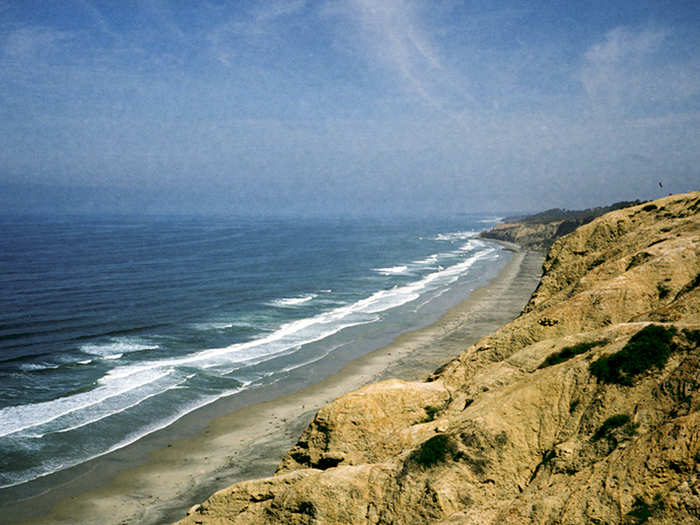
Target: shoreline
(249, 442)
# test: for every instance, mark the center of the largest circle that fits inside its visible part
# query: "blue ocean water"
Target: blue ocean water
(114, 327)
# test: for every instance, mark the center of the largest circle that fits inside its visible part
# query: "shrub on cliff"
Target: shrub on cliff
(650, 347)
(434, 451)
(568, 352)
(611, 424)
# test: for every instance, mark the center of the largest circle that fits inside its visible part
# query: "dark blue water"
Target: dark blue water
(112, 328)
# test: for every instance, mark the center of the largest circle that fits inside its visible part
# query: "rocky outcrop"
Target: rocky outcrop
(539, 231)
(607, 430)
(537, 236)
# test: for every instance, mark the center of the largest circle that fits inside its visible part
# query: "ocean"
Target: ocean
(112, 328)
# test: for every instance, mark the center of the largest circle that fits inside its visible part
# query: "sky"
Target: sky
(301, 107)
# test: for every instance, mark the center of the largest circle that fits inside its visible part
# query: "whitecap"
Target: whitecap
(212, 326)
(21, 417)
(33, 367)
(56, 466)
(304, 331)
(472, 245)
(118, 346)
(455, 236)
(431, 259)
(292, 301)
(285, 339)
(394, 270)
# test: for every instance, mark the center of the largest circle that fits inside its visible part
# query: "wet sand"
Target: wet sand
(250, 441)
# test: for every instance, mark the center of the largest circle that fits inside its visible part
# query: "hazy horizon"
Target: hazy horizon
(345, 107)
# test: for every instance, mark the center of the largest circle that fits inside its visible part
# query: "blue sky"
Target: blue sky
(345, 106)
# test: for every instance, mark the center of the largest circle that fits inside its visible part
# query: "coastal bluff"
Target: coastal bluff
(584, 409)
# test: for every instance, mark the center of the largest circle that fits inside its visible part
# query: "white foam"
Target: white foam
(292, 301)
(32, 474)
(212, 326)
(112, 356)
(472, 245)
(394, 270)
(430, 299)
(112, 413)
(431, 259)
(33, 367)
(286, 339)
(22, 417)
(305, 331)
(117, 346)
(455, 236)
(314, 359)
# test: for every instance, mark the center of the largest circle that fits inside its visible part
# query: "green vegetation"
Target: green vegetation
(568, 221)
(594, 263)
(637, 259)
(430, 412)
(642, 511)
(434, 450)
(649, 207)
(690, 286)
(580, 216)
(612, 423)
(693, 336)
(568, 352)
(694, 283)
(306, 507)
(650, 347)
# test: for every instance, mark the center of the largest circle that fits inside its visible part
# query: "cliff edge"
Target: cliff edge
(584, 409)
(540, 230)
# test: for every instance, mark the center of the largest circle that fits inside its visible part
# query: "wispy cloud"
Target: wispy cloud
(161, 12)
(630, 68)
(27, 42)
(393, 34)
(272, 10)
(98, 18)
(623, 45)
(253, 26)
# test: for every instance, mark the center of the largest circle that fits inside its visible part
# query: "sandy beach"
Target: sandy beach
(249, 441)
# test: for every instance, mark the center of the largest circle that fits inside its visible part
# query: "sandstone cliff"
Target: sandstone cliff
(539, 231)
(582, 410)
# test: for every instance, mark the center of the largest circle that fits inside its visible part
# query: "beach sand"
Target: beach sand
(250, 441)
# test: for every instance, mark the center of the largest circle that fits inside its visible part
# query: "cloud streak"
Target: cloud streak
(630, 71)
(273, 10)
(254, 26)
(394, 35)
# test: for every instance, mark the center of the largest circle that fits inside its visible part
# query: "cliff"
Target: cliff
(584, 409)
(540, 230)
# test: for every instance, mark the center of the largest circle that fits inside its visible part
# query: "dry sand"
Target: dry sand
(250, 441)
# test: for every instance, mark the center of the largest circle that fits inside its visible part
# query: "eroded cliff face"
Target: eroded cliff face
(498, 435)
(529, 236)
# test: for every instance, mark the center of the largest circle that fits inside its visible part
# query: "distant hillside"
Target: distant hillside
(540, 230)
(559, 214)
